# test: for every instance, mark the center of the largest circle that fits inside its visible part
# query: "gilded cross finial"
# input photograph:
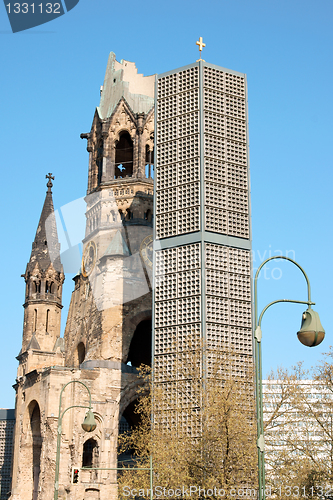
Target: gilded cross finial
(49, 184)
(201, 45)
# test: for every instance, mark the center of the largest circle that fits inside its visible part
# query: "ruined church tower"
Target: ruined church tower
(44, 279)
(108, 328)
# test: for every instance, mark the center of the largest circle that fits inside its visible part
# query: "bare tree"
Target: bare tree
(203, 433)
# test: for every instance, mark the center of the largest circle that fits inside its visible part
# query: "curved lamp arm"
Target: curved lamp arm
(258, 364)
(255, 286)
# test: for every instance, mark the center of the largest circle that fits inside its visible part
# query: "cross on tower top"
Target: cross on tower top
(201, 45)
(49, 184)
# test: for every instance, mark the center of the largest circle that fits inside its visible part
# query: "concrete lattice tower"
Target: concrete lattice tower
(202, 295)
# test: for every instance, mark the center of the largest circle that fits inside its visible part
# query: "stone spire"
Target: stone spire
(44, 278)
(46, 247)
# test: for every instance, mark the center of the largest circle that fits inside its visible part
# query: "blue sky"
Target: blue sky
(50, 83)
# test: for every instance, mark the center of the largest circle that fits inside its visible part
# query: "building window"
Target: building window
(129, 214)
(124, 157)
(99, 161)
(140, 347)
(81, 352)
(36, 446)
(148, 215)
(35, 320)
(90, 454)
(47, 320)
(149, 163)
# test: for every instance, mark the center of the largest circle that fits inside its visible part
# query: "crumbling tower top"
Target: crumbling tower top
(123, 80)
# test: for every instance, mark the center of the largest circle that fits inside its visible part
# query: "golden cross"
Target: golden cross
(201, 45)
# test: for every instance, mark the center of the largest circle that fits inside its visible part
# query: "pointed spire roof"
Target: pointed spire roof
(46, 237)
(117, 247)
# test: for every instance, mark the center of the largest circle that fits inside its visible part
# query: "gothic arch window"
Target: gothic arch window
(47, 320)
(148, 215)
(35, 320)
(149, 163)
(129, 214)
(113, 216)
(99, 160)
(81, 352)
(90, 455)
(37, 286)
(124, 156)
(140, 347)
(122, 217)
(129, 419)
(35, 430)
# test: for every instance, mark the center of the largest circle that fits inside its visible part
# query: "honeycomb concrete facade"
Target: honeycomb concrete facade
(202, 293)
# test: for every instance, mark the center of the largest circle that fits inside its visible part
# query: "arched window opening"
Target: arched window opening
(37, 286)
(122, 216)
(35, 320)
(81, 352)
(113, 216)
(99, 160)
(47, 287)
(36, 447)
(47, 320)
(149, 163)
(90, 453)
(128, 420)
(129, 214)
(124, 157)
(148, 215)
(123, 425)
(130, 415)
(140, 347)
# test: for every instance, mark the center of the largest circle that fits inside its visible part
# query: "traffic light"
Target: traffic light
(75, 475)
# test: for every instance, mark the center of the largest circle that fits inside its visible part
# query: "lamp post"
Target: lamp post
(310, 334)
(88, 425)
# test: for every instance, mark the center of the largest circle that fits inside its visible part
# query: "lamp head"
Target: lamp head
(311, 333)
(89, 423)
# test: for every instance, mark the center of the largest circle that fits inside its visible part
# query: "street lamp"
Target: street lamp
(88, 425)
(310, 334)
